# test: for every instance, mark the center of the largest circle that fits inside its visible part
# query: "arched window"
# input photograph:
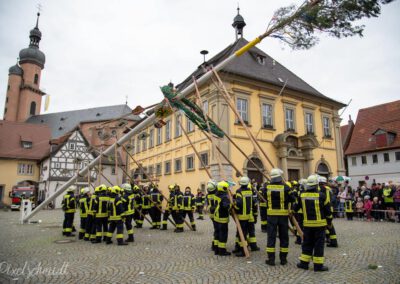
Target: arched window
(323, 169)
(33, 108)
(36, 80)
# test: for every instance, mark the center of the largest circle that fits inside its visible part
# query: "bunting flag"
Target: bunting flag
(47, 103)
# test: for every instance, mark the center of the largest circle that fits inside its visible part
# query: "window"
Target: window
(114, 133)
(167, 170)
(159, 136)
(5, 111)
(33, 108)
(327, 126)
(133, 145)
(7, 100)
(158, 169)
(26, 144)
(309, 123)
(137, 145)
(289, 119)
(168, 131)
(71, 146)
(397, 155)
(354, 161)
(178, 165)
(204, 159)
(267, 115)
(386, 157)
(189, 125)
(36, 79)
(151, 138)
(25, 169)
(205, 107)
(144, 144)
(364, 160)
(178, 130)
(57, 165)
(151, 171)
(190, 163)
(374, 159)
(241, 105)
(8, 87)
(113, 171)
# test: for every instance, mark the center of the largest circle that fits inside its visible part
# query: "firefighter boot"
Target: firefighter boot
(241, 253)
(320, 268)
(302, 265)
(271, 259)
(283, 258)
(193, 227)
(237, 248)
(223, 252)
(333, 243)
(254, 247)
(130, 239)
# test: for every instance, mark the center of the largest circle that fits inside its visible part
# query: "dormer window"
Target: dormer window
(383, 138)
(260, 59)
(36, 79)
(26, 144)
(98, 114)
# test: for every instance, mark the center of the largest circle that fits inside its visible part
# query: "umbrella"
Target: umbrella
(341, 178)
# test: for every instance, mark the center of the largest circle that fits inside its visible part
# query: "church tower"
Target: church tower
(24, 97)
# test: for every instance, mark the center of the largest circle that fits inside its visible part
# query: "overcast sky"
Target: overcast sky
(98, 52)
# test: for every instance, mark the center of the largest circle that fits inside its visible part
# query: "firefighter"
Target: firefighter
(317, 215)
(155, 210)
(168, 208)
(101, 214)
(69, 208)
(210, 200)
(243, 205)
(129, 208)
(189, 205)
(138, 207)
(298, 188)
(115, 211)
(251, 238)
(278, 198)
(330, 231)
(90, 223)
(263, 207)
(221, 217)
(83, 210)
(177, 206)
(146, 204)
(200, 201)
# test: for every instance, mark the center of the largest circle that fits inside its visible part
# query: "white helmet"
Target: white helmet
(303, 181)
(211, 185)
(244, 181)
(85, 190)
(312, 180)
(72, 188)
(126, 186)
(276, 173)
(322, 179)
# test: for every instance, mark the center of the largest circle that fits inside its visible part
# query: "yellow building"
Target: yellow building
(22, 146)
(297, 126)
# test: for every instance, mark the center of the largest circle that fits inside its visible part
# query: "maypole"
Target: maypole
(293, 26)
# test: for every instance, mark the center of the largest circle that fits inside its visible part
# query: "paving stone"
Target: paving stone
(186, 257)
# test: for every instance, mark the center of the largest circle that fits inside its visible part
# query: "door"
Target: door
(1, 193)
(293, 174)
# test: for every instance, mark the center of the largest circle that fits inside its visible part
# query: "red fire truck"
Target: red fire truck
(19, 192)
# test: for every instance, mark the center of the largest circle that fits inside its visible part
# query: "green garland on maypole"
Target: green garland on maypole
(190, 109)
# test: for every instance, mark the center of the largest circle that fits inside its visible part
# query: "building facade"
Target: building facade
(298, 127)
(373, 153)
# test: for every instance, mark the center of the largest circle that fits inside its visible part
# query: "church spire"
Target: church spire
(238, 24)
(35, 34)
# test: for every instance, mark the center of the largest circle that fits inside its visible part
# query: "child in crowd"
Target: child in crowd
(360, 208)
(367, 207)
(376, 206)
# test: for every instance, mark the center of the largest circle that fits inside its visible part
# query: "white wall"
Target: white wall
(381, 171)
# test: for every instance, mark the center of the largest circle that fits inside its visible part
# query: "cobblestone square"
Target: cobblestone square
(166, 257)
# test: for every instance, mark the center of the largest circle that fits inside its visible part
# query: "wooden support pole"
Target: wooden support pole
(231, 104)
(129, 176)
(165, 197)
(242, 237)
